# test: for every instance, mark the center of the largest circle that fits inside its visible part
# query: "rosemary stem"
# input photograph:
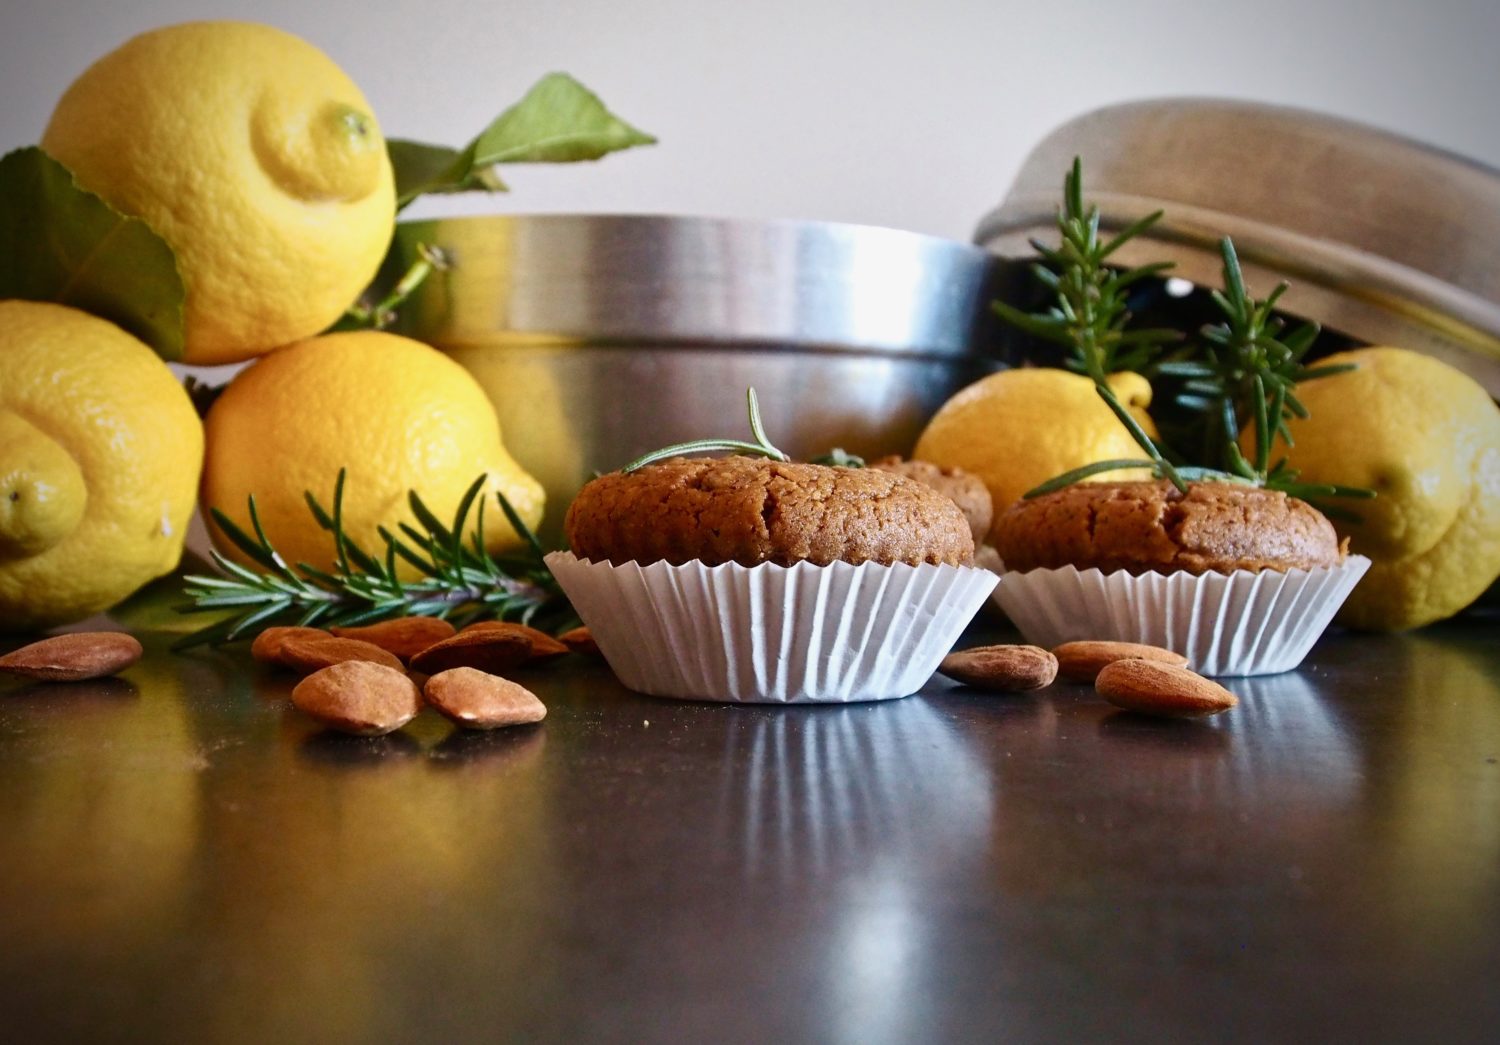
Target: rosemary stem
(1138, 433)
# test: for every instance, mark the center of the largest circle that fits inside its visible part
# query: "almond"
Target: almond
(360, 697)
(72, 658)
(309, 653)
(1006, 668)
(404, 636)
(542, 645)
(1082, 661)
(1153, 688)
(488, 649)
(580, 640)
(478, 700)
(267, 645)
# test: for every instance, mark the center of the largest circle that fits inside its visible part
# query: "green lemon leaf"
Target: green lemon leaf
(422, 169)
(558, 121)
(59, 242)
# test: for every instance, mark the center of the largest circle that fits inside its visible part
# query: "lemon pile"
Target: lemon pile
(261, 165)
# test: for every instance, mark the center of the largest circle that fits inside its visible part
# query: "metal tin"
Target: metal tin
(1384, 239)
(601, 337)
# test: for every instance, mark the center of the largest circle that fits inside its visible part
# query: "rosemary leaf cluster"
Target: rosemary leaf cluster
(456, 578)
(1091, 314)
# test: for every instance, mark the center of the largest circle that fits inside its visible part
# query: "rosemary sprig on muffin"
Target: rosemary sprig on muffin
(762, 446)
(457, 578)
(1090, 317)
(1245, 378)
(1242, 373)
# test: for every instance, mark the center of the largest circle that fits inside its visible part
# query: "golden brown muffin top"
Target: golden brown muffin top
(966, 490)
(1151, 526)
(752, 510)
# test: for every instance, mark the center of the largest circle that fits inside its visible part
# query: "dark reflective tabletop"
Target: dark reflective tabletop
(183, 858)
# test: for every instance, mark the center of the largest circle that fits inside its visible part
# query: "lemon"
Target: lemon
(99, 456)
(1018, 428)
(1426, 438)
(254, 157)
(397, 414)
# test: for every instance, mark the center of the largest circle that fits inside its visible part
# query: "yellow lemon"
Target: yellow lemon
(99, 456)
(254, 157)
(1019, 428)
(1426, 438)
(395, 413)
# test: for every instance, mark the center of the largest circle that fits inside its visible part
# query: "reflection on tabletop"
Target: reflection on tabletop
(873, 869)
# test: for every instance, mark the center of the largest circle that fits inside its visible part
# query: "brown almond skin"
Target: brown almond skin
(1004, 668)
(1150, 687)
(1082, 661)
(267, 645)
(309, 653)
(478, 700)
(494, 651)
(359, 697)
(542, 644)
(403, 636)
(73, 658)
(580, 640)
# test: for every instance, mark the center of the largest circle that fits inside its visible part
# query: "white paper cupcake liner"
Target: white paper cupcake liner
(773, 634)
(1240, 623)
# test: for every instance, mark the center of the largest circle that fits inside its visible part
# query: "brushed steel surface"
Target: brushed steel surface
(1384, 239)
(188, 859)
(601, 337)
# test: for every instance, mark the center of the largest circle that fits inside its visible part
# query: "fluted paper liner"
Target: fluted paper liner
(1239, 623)
(773, 634)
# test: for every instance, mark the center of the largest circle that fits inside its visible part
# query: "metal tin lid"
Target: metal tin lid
(641, 279)
(1383, 239)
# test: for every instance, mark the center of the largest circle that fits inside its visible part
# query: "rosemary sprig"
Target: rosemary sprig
(457, 578)
(760, 448)
(1091, 315)
(1246, 376)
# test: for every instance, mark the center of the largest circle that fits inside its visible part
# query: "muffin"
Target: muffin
(745, 579)
(1144, 527)
(964, 489)
(749, 511)
(1240, 579)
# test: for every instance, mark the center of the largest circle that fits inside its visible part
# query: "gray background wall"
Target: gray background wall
(896, 113)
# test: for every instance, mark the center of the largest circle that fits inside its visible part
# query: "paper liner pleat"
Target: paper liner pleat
(769, 633)
(1240, 623)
